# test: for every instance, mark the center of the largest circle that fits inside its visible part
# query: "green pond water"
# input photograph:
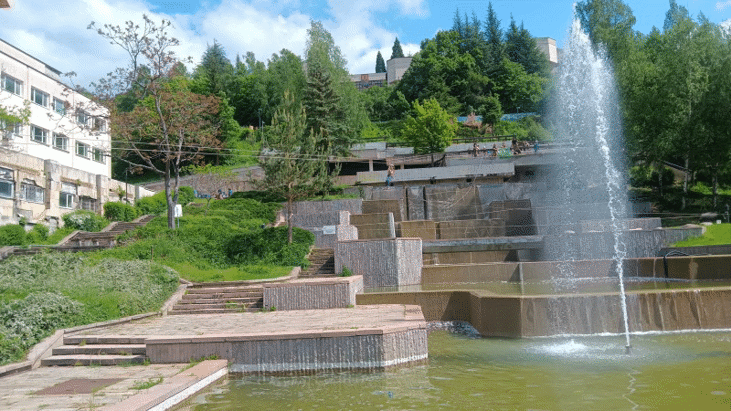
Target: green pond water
(688, 371)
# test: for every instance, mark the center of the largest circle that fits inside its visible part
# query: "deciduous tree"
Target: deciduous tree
(430, 129)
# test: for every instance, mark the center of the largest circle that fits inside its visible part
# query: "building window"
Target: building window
(82, 149)
(39, 135)
(68, 193)
(59, 106)
(60, 142)
(99, 124)
(6, 183)
(39, 97)
(87, 203)
(82, 118)
(11, 84)
(31, 192)
(97, 155)
(11, 129)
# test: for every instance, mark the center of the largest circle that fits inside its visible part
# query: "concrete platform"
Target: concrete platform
(358, 338)
(106, 388)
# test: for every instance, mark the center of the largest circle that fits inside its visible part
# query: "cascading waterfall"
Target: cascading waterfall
(591, 184)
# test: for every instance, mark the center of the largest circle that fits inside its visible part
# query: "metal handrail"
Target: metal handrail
(671, 253)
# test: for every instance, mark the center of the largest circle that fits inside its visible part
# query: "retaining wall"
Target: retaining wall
(471, 229)
(316, 293)
(373, 226)
(382, 263)
(545, 315)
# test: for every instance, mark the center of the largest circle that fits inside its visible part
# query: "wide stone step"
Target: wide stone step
(102, 339)
(238, 300)
(216, 305)
(101, 349)
(228, 296)
(83, 359)
(224, 290)
(175, 311)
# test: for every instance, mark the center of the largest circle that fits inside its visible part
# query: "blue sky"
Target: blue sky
(58, 35)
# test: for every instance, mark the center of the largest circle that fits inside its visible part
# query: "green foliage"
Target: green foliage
(38, 235)
(380, 63)
(12, 234)
(396, 50)
(117, 211)
(48, 291)
(157, 204)
(491, 110)
(431, 129)
(643, 176)
(346, 272)
(85, 221)
(271, 246)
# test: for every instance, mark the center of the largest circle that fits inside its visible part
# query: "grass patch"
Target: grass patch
(236, 273)
(717, 234)
(143, 385)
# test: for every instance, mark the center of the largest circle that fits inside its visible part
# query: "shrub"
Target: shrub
(117, 211)
(270, 246)
(12, 234)
(248, 209)
(38, 235)
(157, 203)
(85, 220)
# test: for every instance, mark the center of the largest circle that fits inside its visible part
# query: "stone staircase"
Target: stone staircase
(216, 298)
(106, 238)
(322, 263)
(97, 350)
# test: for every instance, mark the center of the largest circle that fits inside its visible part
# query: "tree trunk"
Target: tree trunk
(289, 220)
(659, 179)
(715, 187)
(685, 183)
(169, 198)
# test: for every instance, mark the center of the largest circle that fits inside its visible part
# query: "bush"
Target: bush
(12, 234)
(270, 246)
(38, 235)
(117, 211)
(248, 209)
(157, 203)
(85, 220)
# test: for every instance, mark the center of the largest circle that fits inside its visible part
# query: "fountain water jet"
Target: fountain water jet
(592, 186)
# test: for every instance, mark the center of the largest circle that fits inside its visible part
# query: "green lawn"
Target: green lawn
(717, 234)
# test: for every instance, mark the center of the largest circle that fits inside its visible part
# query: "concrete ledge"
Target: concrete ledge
(317, 293)
(483, 244)
(175, 390)
(382, 263)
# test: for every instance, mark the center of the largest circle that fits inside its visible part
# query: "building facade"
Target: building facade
(395, 69)
(58, 160)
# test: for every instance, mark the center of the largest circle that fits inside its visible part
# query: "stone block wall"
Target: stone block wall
(424, 229)
(471, 228)
(382, 263)
(372, 226)
(316, 293)
(517, 214)
(383, 207)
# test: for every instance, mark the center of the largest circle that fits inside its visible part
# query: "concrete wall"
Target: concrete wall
(424, 229)
(382, 263)
(531, 316)
(384, 207)
(316, 293)
(444, 203)
(318, 207)
(517, 215)
(373, 226)
(471, 228)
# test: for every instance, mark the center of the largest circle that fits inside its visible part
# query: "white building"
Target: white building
(58, 160)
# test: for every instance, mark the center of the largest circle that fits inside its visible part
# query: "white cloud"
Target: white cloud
(721, 5)
(58, 35)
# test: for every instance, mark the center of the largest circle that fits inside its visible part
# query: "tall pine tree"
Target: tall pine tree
(396, 51)
(494, 38)
(325, 114)
(380, 64)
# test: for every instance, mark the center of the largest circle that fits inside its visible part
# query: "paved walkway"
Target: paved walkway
(261, 323)
(18, 392)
